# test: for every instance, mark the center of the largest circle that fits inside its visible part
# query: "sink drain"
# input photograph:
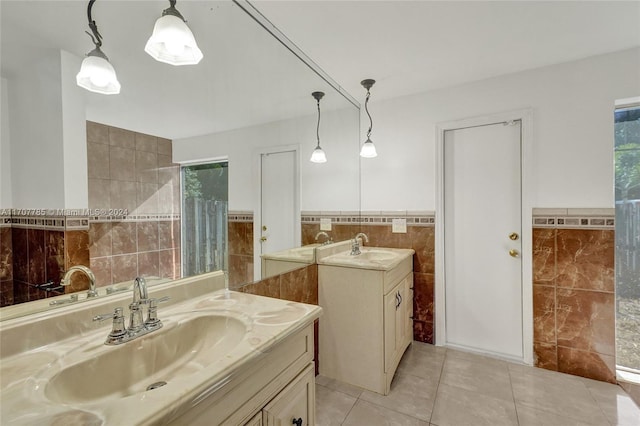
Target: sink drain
(156, 385)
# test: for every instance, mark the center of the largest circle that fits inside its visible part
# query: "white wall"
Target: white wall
(36, 134)
(74, 135)
(333, 185)
(572, 156)
(48, 153)
(5, 149)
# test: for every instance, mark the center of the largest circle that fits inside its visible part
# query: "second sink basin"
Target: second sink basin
(377, 258)
(176, 351)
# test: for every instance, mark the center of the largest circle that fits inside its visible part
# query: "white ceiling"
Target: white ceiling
(245, 78)
(248, 78)
(416, 46)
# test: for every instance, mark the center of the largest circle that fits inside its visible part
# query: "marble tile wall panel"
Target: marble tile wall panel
(20, 254)
(240, 269)
(55, 253)
(587, 364)
(169, 234)
(169, 263)
(585, 320)
(300, 285)
(149, 264)
(100, 239)
(36, 256)
(147, 236)
(6, 254)
(585, 259)
(76, 247)
(6, 293)
(574, 301)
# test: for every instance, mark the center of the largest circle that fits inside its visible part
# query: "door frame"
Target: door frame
(257, 197)
(526, 118)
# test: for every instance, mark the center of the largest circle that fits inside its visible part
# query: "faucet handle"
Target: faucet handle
(110, 315)
(118, 331)
(152, 314)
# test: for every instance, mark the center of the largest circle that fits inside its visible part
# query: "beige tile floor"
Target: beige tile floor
(444, 387)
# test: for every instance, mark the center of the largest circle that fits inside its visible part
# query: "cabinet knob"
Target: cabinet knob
(297, 422)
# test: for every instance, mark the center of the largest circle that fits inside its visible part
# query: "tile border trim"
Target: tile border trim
(574, 218)
(240, 216)
(382, 218)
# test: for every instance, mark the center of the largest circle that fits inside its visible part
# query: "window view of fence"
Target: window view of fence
(205, 202)
(627, 190)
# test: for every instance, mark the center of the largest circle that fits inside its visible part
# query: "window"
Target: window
(205, 201)
(627, 191)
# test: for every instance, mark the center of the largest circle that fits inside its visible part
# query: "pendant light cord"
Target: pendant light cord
(96, 37)
(318, 126)
(366, 108)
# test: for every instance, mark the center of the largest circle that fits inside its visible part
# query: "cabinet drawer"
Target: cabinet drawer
(393, 277)
(295, 402)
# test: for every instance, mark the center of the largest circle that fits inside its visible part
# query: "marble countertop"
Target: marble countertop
(373, 258)
(305, 254)
(24, 375)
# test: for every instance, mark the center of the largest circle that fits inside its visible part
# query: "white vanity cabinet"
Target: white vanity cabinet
(294, 405)
(367, 321)
(275, 391)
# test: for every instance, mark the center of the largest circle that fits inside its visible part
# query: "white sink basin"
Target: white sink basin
(377, 258)
(177, 350)
(376, 255)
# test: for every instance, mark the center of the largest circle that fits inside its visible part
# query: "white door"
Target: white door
(278, 204)
(482, 238)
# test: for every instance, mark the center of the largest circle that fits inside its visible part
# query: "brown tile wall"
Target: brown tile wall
(32, 257)
(300, 285)
(419, 238)
(240, 236)
(134, 172)
(574, 301)
(120, 251)
(6, 267)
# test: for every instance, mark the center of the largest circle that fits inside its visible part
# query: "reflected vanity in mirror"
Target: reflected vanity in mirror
(187, 170)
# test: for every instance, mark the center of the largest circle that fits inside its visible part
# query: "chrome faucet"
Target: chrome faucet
(137, 326)
(321, 234)
(140, 290)
(355, 244)
(66, 280)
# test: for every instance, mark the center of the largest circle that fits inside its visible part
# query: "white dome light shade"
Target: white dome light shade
(318, 155)
(368, 150)
(97, 75)
(172, 42)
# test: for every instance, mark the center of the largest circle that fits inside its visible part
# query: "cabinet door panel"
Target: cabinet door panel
(296, 401)
(255, 421)
(390, 327)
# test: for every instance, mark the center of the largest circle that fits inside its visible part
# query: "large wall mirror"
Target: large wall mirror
(188, 169)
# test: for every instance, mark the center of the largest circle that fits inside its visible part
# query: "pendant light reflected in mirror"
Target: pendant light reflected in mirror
(368, 149)
(318, 155)
(96, 73)
(172, 41)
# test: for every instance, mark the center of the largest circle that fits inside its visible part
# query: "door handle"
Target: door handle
(263, 239)
(514, 253)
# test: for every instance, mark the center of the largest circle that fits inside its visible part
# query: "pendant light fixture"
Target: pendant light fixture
(96, 73)
(172, 41)
(318, 155)
(368, 149)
